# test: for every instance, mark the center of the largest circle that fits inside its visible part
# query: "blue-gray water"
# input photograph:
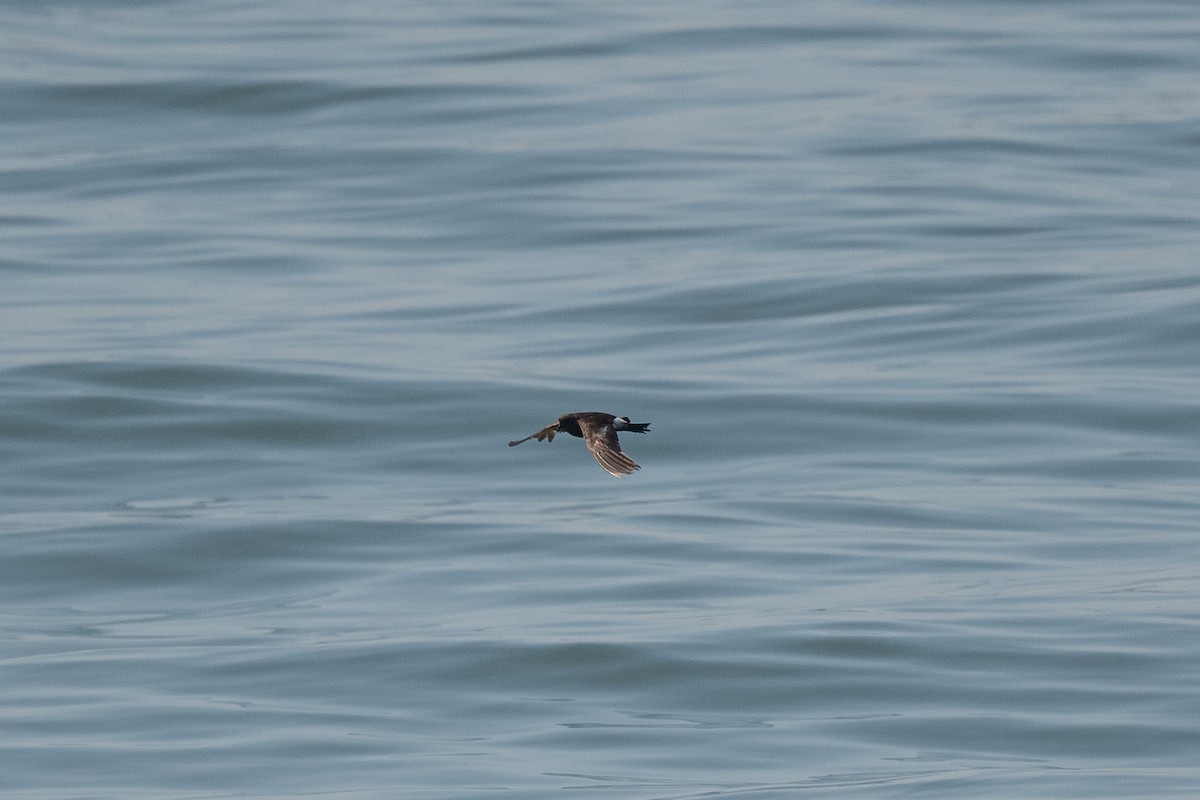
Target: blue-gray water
(910, 293)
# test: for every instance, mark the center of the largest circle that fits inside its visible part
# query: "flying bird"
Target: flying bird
(599, 432)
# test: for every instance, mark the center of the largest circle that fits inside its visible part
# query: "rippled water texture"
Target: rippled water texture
(908, 291)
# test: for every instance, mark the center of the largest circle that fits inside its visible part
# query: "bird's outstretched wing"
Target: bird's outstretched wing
(602, 443)
(546, 433)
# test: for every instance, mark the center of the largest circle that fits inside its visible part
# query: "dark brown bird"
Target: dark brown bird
(599, 432)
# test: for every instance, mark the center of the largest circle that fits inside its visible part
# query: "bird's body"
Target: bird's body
(599, 432)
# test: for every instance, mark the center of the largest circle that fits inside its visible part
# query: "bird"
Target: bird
(599, 432)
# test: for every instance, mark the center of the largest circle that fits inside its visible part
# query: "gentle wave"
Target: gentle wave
(906, 293)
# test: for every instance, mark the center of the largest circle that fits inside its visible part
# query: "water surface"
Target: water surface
(907, 291)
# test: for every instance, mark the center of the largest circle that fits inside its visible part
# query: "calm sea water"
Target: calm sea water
(909, 291)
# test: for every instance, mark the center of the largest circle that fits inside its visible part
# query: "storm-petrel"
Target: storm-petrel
(599, 432)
